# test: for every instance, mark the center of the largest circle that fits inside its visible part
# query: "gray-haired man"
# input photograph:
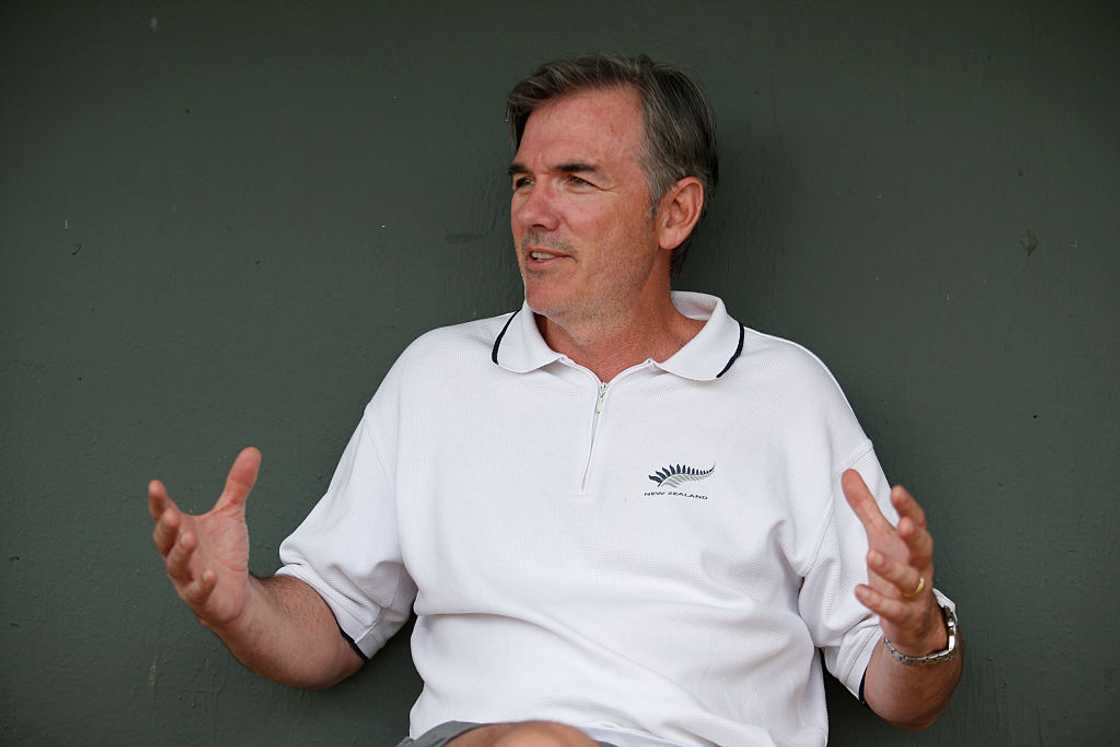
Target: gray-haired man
(620, 515)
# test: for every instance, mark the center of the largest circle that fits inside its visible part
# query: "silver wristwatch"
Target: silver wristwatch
(936, 657)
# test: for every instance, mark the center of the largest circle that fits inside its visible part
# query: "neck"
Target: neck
(612, 343)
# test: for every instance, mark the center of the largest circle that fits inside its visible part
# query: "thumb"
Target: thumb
(242, 476)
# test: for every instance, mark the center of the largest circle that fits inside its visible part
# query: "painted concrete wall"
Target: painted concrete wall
(219, 226)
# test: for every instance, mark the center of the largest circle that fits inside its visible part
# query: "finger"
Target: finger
(166, 530)
(242, 476)
(907, 505)
(178, 560)
(198, 591)
(158, 499)
(892, 610)
(918, 540)
(863, 502)
(901, 576)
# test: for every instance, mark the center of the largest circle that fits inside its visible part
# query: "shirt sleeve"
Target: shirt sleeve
(840, 626)
(348, 549)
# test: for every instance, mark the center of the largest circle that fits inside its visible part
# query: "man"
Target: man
(619, 515)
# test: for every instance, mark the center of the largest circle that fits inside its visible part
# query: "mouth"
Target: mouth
(540, 258)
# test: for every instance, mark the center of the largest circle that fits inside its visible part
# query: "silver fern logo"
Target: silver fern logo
(676, 475)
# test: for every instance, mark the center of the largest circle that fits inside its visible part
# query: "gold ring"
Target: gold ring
(917, 589)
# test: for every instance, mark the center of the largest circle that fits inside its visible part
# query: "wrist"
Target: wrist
(934, 637)
(236, 628)
(931, 650)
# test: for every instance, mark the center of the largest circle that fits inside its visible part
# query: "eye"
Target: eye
(578, 181)
(521, 181)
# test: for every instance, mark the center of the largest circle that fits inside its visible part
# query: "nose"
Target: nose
(535, 207)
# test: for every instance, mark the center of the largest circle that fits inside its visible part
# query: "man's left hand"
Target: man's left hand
(899, 569)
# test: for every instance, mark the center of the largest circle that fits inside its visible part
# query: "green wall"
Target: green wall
(219, 225)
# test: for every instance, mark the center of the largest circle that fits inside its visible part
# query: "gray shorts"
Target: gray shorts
(444, 733)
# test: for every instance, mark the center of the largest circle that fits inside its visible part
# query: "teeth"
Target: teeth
(541, 255)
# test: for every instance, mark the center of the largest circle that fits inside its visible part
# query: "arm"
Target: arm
(908, 696)
(278, 627)
(900, 591)
(288, 634)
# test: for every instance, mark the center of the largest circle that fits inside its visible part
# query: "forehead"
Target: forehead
(600, 124)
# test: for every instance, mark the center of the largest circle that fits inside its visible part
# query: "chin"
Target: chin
(549, 305)
(543, 297)
(540, 304)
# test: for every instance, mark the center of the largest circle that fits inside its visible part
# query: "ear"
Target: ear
(678, 212)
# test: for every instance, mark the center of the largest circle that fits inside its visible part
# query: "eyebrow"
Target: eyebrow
(568, 167)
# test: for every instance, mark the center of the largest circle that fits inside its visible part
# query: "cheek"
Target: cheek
(594, 225)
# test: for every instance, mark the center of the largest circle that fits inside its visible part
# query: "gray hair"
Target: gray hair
(679, 138)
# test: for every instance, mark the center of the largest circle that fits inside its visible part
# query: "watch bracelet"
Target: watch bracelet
(950, 652)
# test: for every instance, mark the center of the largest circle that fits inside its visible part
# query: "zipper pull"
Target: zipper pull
(602, 396)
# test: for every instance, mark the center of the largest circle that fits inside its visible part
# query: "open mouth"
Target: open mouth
(541, 257)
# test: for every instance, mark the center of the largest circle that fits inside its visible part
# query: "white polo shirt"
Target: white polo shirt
(655, 558)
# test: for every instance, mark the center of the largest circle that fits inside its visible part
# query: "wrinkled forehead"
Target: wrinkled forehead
(604, 124)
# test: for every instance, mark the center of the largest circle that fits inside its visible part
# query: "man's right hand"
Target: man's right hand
(207, 556)
(278, 626)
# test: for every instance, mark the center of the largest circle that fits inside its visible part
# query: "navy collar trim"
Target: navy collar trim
(498, 340)
(738, 351)
(520, 348)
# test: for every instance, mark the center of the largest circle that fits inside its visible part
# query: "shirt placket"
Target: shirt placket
(594, 439)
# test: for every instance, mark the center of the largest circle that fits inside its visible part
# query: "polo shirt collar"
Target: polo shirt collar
(520, 348)
(714, 349)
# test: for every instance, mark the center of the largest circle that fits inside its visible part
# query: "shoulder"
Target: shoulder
(436, 365)
(793, 384)
(455, 353)
(788, 363)
(455, 343)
